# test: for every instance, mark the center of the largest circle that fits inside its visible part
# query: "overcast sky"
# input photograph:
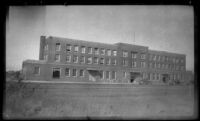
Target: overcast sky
(166, 28)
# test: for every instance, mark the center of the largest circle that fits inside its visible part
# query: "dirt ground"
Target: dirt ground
(28, 100)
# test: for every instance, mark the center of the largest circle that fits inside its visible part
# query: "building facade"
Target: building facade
(82, 61)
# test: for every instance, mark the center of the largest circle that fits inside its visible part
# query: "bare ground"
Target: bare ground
(28, 100)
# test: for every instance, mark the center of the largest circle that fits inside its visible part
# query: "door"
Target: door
(56, 73)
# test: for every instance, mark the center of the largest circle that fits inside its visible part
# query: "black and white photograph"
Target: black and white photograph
(100, 62)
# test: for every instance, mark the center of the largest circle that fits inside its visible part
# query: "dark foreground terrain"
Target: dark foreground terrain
(48, 100)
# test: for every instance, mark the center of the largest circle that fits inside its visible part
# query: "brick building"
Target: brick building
(82, 61)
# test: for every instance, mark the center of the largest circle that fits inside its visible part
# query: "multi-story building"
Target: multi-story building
(83, 61)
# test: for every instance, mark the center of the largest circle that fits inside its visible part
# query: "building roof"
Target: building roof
(35, 61)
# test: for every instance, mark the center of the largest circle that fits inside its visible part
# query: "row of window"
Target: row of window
(110, 52)
(157, 76)
(133, 54)
(165, 59)
(83, 50)
(165, 66)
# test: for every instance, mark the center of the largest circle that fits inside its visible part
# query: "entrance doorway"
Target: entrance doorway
(165, 78)
(56, 73)
(133, 76)
(94, 75)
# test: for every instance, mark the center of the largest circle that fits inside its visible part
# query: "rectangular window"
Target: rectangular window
(150, 65)
(107, 75)
(150, 57)
(75, 59)
(154, 57)
(125, 63)
(108, 61)
(114, 53)
(74, 72)
(133, 64)
(89, 60)
(182, 60)
(102, 51)
(68, 58)
(101, 61)
(124, 74)
(58, 46)
(57, 58)
(96, 60)
(109, 52)
(45, 57)
(158, 57)
(82, 59)
(96, 51)
(89, 50)
(158, 65)
(68, 48)
(134, 54)
(46, 47)
(114, 62)
(143, 56)
(82, 49)
(143, 64)
(81, 74)
(76, 48)
(125, 54)
(36, 70)
(101, 74)
(67, 72)
(113, 75)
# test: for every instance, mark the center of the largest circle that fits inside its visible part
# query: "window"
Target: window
(89, 50)
(158, 65)
(154, 57)
(173, 60)
(107, 75)
(113, 75)
(46, 47)
(125, 63)
(133, 64)
(56, 73)
(57, 46)
(177, 60)
(101, 61)
(57, 57)
(68, 48)
(109, 52)
(150, 57)
(125, 54)
(124, 74)
(101, 74)
(143, 64)
(96, 60)
(114, 62)
(158, 76)
(102, 51)
(163, 58)
(89, 60)
(182, 60)
(74, 72)
(76, 48)
(36, 70)
(134, 54)
(75, 59)
(158, 57)
(108, 61)
(67, 72)
(114, 53)
(82, 49)
(81, 74)
(82, 59)
(68, 58)
(45, 57)
(143, 56)
(96, 51)
(150, 65)
(182, 68)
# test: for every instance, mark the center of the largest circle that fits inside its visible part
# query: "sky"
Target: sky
(167, 28)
